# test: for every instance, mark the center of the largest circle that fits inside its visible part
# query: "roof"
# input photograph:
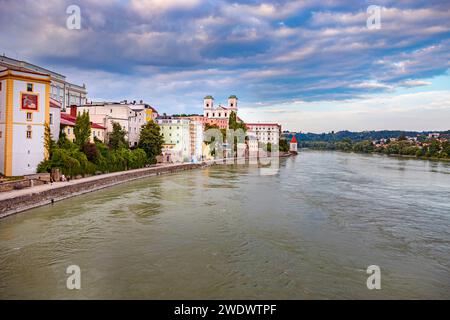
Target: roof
(293, 140)
(68, 120)
(263, 124)
(208, 97)
(232, 97)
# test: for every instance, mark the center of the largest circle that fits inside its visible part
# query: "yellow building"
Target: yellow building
(24, 111)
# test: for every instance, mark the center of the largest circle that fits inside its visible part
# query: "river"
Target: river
(308, 231)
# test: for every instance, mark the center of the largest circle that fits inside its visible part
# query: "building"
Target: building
(293, 145)
(196, 138)
(219, 115)
(265, 132)
(68, 125)
(177, 138)
(55, 118)
(24, 111)
(65, 93)
(130, 116)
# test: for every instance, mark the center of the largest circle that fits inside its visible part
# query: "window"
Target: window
(207, 114)
(68, 130)
(231, 104)
(219, 114)
(1, 86)
(0, 134)
(29, 116)
(207, 105)
(28, 132)
(29, 87)
(51, 118)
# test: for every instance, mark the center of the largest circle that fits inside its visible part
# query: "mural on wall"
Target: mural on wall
(29, 101)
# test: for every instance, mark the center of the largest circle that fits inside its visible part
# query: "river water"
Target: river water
(307, 232)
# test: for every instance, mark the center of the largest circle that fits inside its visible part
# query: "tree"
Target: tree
(116, 138)
(82, 129)
(49, 144)
(151, 140)
(284, 146)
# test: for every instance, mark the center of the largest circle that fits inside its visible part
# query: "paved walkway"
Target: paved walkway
(44, 187)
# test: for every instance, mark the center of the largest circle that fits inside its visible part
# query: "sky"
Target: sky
(312, 66)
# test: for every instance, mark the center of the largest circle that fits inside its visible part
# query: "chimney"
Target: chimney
(73, 111)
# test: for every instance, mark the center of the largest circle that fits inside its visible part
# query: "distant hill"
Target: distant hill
(358, 136)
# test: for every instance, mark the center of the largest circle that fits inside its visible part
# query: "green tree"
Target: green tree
(284, 146)
(82, 129)
(49, 144)
(116, 138)
(151, 140)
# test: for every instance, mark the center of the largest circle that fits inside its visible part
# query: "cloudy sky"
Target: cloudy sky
(312, 66)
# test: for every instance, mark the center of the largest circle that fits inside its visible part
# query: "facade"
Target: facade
(55, 118)
(68, 124)
(24, 110)
(196, 139)
(65, 93)
(219, 115)
(265, 132)
(177, 138)
(130, 116)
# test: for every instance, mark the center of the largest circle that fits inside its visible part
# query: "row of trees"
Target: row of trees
(429, 149)
(83, 157)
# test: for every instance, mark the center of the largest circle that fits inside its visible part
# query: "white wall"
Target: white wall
(27, 153)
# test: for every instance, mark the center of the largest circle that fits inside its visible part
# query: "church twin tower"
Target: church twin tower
(220, 112)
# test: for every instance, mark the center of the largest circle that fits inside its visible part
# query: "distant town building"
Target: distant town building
(434, 135)
(24, 110)
(61, 90)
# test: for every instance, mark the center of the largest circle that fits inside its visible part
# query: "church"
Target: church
(219, 112)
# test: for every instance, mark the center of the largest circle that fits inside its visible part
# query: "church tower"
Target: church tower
(232, 103)
(208, 104)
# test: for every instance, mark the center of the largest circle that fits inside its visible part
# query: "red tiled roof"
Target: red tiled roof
(68, 120)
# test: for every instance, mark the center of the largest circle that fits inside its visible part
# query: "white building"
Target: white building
(131, 117)
(177, 138)
(66, 93)
(55, 119)
(219, 112)
(264, 132)
(24, 110)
